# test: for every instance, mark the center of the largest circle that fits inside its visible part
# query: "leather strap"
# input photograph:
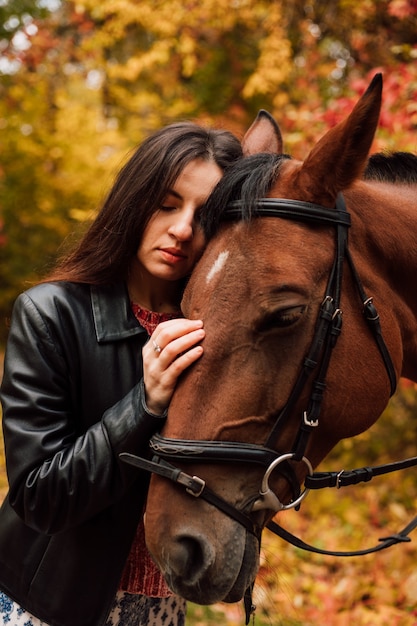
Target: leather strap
(385, 542)
(344, 478)
(289, 209)
(372, 318)
(194, 485)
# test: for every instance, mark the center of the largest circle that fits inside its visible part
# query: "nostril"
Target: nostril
(190, 557)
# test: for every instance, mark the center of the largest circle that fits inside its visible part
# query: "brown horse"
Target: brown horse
(282, 378)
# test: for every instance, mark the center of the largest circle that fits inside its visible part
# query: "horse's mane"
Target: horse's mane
(393, 167)
(247, 180)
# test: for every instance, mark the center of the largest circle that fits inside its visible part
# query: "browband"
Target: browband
(290, 209)
(209, 451)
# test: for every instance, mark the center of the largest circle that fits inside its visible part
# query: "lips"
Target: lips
(173, 255)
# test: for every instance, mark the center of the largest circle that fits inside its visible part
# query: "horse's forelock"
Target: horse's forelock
(247, 180)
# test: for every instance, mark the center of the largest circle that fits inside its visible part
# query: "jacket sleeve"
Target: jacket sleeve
(59, 473)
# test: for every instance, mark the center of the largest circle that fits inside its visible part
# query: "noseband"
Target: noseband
(327, 330)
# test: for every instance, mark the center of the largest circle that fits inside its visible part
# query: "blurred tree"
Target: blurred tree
(83, 81)
(14, 16)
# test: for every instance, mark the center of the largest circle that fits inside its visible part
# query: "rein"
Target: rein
(317, 360)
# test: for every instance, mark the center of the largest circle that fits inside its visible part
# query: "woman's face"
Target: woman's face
(173, 240)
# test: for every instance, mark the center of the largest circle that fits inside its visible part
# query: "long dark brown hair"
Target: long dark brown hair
(105, 251)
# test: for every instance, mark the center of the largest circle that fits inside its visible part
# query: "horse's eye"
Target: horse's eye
(280, 318)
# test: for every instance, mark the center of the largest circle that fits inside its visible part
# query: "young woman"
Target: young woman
(83, 383)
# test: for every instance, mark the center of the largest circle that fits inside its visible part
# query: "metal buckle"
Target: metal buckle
(268, 497)
(336, 313)
(339, 479)
(194, 486)
(311, 423)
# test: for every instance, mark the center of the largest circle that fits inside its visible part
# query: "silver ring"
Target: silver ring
(156, 348)
(264, 490)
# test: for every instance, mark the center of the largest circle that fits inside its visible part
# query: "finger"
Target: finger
(162, 369)
(173, 329)
(182, 362)
(159, 395)
(176, 347)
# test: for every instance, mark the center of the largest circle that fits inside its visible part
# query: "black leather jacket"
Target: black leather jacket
(72, 401)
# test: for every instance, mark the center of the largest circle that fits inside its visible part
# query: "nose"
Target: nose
(190, 558)
(183, 226)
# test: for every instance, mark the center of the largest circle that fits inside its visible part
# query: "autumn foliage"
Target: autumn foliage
(83, 81)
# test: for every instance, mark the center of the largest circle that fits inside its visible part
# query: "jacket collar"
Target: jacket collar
(113, 316)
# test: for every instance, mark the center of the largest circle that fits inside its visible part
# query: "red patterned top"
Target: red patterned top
(141, 575)
(149, 319)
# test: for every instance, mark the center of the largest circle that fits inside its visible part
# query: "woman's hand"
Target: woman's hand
(171, 349)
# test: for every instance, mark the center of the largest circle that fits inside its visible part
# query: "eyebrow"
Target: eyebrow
(171, 192)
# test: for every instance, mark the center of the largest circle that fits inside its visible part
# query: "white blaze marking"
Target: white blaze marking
(217, 265)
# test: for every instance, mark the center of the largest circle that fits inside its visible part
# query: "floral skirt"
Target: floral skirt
(127, 610)
(11, 614)
(135, 610)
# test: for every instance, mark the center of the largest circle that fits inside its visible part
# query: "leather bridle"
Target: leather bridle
(327, 330)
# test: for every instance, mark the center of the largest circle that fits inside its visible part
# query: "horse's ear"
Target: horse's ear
(339, 158)
(263, 135)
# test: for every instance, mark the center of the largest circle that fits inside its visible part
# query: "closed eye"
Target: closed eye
(168, 208)
(280, 318)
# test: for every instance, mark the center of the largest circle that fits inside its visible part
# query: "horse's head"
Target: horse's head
(259, 288)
